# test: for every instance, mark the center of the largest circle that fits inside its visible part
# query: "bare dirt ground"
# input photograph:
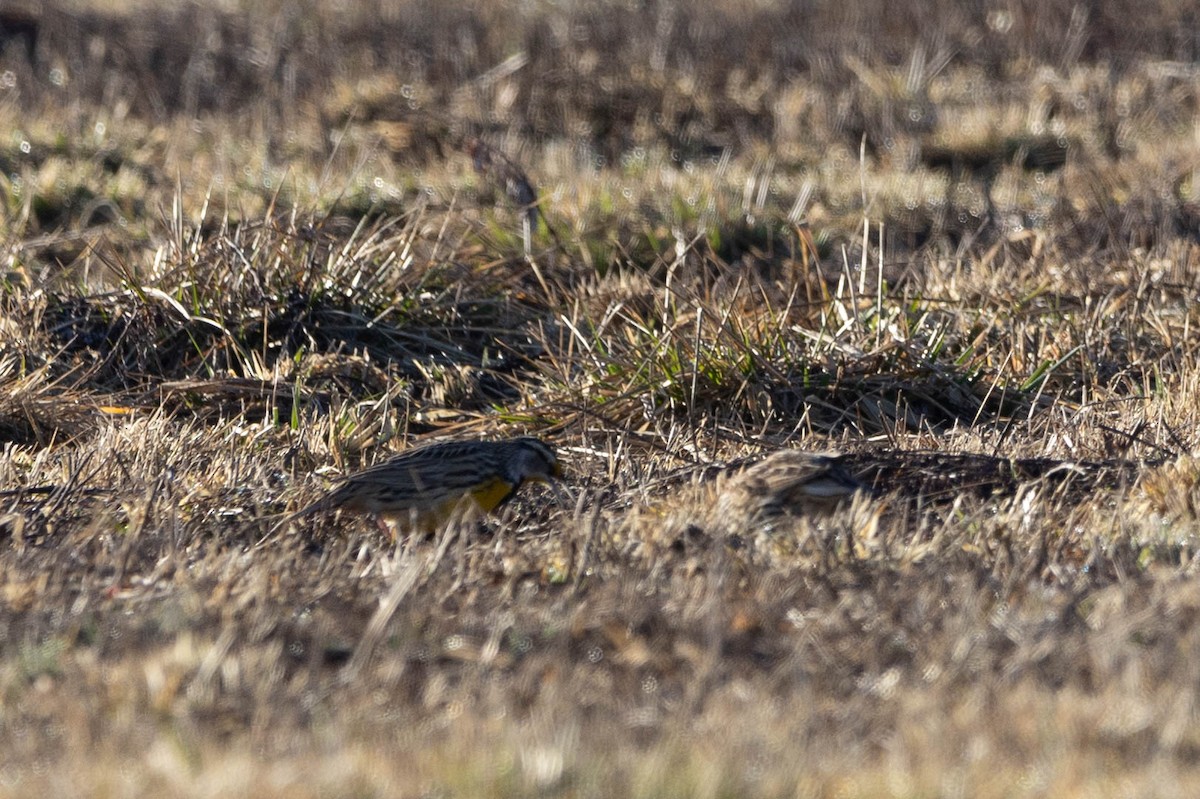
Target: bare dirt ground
(249, 248)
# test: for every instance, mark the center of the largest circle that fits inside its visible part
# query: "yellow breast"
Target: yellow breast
(483, 498)
(489, 494)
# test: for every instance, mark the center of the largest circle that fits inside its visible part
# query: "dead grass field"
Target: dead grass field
(245, 252)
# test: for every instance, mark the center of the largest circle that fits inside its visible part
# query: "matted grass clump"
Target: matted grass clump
(250, 249)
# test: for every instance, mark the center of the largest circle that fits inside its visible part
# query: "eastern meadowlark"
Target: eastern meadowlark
(427, 485)
(789, 481)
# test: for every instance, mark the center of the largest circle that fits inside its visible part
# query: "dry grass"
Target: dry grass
(245, 252)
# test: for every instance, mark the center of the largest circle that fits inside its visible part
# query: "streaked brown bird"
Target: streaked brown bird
(787, 482)
(423, 487)
(504, 173)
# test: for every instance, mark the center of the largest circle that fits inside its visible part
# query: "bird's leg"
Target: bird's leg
(386, 527)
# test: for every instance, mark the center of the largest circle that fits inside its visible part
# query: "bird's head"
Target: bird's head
(534, 460)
